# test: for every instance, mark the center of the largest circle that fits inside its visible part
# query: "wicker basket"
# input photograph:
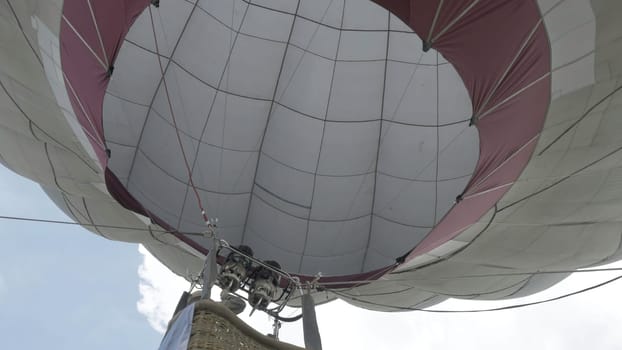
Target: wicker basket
(214, 327)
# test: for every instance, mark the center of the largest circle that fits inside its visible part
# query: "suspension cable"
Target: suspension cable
(174, 119)
(502, 308)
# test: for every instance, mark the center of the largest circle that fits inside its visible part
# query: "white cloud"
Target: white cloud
(589, 320)
(160, 290)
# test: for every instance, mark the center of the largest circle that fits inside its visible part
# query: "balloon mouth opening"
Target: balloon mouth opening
(322, 136)
(328, 141)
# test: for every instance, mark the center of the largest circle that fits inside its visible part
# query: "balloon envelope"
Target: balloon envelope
(412, 141)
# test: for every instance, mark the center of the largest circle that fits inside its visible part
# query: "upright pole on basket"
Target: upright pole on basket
(313, 340)
(210, 269)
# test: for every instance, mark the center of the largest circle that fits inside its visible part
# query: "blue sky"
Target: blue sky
(62, 287)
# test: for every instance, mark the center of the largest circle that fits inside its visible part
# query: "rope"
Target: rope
(170, 106)
(101, 62)
(62, 222)
(99, 35)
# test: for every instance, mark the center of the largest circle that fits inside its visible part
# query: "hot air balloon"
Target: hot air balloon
(377, 151)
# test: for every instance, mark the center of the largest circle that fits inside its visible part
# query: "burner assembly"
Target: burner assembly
(244, 278)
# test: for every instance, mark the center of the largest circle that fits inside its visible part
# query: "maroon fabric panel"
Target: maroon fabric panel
(498, 47)
(423, 13)
(83, 71)
(86, 76)
(483, 43)
(508, 172)
(457, 220)
(507, 131)
(77, 12)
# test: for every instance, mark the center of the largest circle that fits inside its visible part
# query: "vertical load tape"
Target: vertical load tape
(313, 341)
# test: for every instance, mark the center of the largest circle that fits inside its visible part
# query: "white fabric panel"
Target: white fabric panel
(277, 228)
(305, 82)
(169, 22)
(547, 5)
(364, 15)
(189, 98)
(141, 33)
(327, 12)
(293, 139)
(49, 54)
(230, 13)
(569, 17)
(355, 142)
(408, 152)
(356, 94)
(446, 193)
(569, 78)
(538, 283)
(225, 171)
(160, 146)
(405, 201)
(341, 198)
(571, 27)
(205, 58)
(457, 150)
(229, 209)
(151, 196)
(315, 38)
(287, 184)
(293, 209)
(267, 24)
(288, 6)
(345, 238)
(397, 239)
(454, 100)
(121, 159)
(236, 122)
(578, 42)
(22, 148)
(362, 46)
(267, 250)
(406, 47)
(254, 67)
(134, 77)
(126, 117)
(447, 248)
(411, 94)
(374, 260)
(338, 265)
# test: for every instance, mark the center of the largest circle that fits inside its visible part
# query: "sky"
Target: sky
(62, 287)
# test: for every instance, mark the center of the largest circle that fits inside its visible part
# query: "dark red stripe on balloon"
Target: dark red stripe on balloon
(82, 56)
(501, 51)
